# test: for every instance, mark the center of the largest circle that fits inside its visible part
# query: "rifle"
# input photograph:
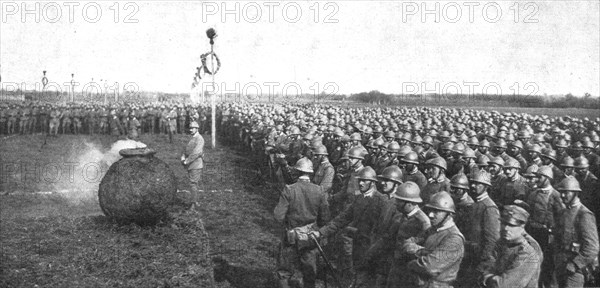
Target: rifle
(337, 281)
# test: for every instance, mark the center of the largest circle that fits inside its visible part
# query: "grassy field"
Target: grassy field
(62, 239)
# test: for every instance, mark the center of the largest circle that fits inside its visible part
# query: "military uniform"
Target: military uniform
(404, 227)
(300, 204)
(575, 244)
(481, 236)
(433, 186)
(515, 265)
(414, 176)
(509, 190)
(545, 205)
(437, 264)
(359, 221)
(324, 176)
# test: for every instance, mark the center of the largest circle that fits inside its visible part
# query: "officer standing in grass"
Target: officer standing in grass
(192, 160)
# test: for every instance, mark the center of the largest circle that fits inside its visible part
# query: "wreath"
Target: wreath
(205, 68)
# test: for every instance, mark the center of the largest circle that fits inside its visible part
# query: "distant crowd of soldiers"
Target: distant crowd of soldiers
(122, 119)
(430, 197)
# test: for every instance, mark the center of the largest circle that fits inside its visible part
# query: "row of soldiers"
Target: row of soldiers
(503, 205)
(111, 119)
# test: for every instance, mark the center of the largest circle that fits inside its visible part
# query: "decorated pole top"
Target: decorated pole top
(211, 33)
(44, 79)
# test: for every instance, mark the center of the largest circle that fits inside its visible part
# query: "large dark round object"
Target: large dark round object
(138, 188)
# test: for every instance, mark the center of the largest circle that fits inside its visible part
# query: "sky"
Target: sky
(536, 48)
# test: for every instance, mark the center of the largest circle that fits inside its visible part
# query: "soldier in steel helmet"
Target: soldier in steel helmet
(439, 252)
(516, 258)
(513, 187)
(436, 178)
(575, 240)
(545, 205)
(192, 159)
(359, 221)
(378, 255)
(324, 171)
(459, 190)
(482, 231)
(410, 221)
(590, 193)
(302, 208)
(411, 171)
(387, 159)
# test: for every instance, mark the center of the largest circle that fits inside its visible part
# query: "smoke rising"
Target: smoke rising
(90, 163)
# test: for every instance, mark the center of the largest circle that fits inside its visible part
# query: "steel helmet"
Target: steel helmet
(338, 132)
(447, 146)
(356, 153)
(561, 143)
(459, 181)
(294, 130)
(577, 146)
(308, 136)
(389, 134)
(304, 165)
(524, 134)
(517, 144)
(355, 136)
(417, 140)
(510, 138)
(473, 141)
(441, 201)
(458, 148)
(404, 149)
(531, 171)
(549, 153)
(481, 177)
(468, 153)
(368, 130)
(392, 173)
(545, 171)
(371, 144)
(194, 124)
(320, 150)
(538, 138)
(569, 184)
(497, 160)
(501, 143)
(484, 143)
(409, 192)
(427, 140)
(411, 158)
(345, 138)
(367, 173)
(378, 142)
(512, 163)
(482, 160)
(534, 148)
(581, 162)
(567, 162)
(393, 147)
(438, 161)
(587, 144)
